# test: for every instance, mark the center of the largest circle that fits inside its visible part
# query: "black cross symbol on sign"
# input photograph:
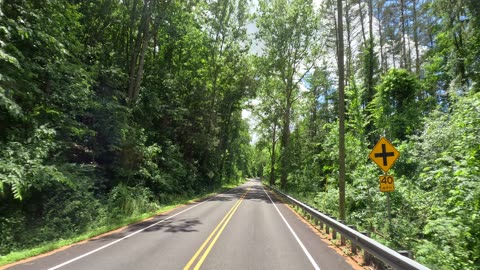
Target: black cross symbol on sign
(384, 154)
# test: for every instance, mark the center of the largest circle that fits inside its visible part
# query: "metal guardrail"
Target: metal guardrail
(372, 247)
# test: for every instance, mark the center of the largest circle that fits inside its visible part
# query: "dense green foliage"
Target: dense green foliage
(109, 109)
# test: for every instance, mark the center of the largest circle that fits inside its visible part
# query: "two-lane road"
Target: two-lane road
(245, 228)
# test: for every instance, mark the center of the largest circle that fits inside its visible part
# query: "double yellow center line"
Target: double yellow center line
(215, 234)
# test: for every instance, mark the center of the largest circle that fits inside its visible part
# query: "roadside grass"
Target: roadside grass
(47, 247)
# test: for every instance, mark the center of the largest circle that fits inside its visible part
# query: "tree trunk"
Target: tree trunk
(129, 47)
(285, 159)
(341, 108)
(370, 21)
(139, 77)
(370, 83)
(403, 39)
(138, 54)
(313, 127)
(415, 38)
(349, 73)
(383, 60)
(361, 21)
(272, 156)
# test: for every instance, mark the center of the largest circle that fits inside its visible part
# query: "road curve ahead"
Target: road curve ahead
(245, 228)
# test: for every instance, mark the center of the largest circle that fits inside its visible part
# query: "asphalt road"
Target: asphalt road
(245, 228)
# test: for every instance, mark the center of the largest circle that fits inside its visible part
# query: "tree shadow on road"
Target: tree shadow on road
(171, 226)
(255, 193)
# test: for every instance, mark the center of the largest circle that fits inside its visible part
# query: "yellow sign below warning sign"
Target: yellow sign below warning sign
(384, 154)
(386, 183)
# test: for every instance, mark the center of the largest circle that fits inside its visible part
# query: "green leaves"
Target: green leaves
(9, 105)
(24, 168)
(445, 153)
(8, 58)
(395, 105)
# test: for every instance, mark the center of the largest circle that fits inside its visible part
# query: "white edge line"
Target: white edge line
(132, 234)
(310, 258)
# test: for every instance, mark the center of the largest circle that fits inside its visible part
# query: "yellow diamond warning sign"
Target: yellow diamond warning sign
(384, 154)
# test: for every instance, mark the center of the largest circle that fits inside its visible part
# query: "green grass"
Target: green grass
(27, 253)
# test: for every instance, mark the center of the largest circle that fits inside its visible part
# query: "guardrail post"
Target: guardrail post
(334, 233)
(367, 258)
(406, 253)
(352, 243)
(342, 237)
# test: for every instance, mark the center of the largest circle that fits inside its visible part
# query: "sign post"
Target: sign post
(384, 155)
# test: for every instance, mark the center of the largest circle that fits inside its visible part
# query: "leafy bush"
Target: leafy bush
(447, 152)
(69, 210)
(12, 227)
(125, 201)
